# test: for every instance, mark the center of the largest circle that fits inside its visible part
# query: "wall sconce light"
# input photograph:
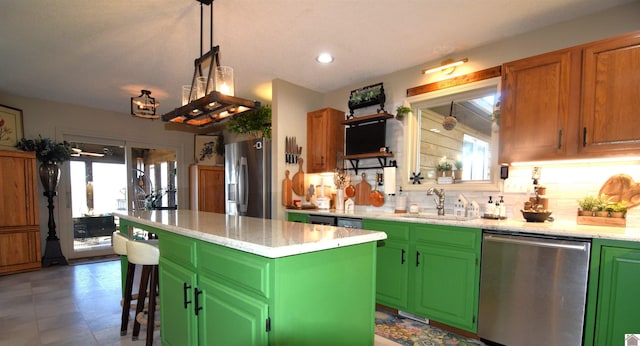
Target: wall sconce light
(447, 66)
(144, 106)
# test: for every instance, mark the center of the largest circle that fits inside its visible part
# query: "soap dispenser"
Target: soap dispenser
(489, 208)
(502, 209)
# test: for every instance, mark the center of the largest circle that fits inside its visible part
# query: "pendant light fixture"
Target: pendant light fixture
(144, 106)
(211, 96)
(450, 121)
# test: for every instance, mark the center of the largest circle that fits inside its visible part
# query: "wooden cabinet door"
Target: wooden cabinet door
(536, 107)
(182, 330)
(618, 303)
(325, 139)
(211, 189)
(610, 100)
(18, 189)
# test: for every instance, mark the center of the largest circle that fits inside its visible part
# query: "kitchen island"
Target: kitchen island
(232, 280)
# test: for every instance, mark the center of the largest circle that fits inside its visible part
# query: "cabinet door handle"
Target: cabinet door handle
(197, 307)
(417, 258)
(584, 137)
(560, 139)
(185, 287)
(402, 257)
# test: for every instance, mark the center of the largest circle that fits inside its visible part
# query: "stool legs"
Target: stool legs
(126, 303)
(148, 279)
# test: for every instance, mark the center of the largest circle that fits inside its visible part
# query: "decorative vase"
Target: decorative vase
(339, 199)
(49, 176)
(457, 174)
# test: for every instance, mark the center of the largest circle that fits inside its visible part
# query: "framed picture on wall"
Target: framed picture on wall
(209, 149)
(10, 127)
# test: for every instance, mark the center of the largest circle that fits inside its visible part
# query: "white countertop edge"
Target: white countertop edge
(259, 249)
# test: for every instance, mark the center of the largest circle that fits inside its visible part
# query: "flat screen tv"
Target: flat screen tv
(365, 138)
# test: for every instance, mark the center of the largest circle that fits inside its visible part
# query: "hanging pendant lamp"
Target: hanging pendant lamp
(144, 106)
(450, 121)
(206, 104)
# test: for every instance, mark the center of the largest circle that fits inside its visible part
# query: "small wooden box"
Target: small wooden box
(602, 221)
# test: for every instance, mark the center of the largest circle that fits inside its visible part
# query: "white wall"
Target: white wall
(53, 120)
(289, 118)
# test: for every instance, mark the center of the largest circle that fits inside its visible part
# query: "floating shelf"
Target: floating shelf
(355, 160)
(367, 118)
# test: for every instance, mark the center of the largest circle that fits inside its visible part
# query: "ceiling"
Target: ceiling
(100, 53)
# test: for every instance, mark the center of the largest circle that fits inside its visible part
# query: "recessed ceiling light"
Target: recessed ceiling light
(324, 58)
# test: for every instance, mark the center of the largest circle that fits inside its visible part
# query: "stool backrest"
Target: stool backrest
(140, 252)
(119, 242)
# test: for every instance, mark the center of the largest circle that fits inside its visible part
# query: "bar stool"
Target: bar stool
(119, 242)
(148, 255)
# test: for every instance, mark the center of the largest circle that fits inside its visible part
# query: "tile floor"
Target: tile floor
(69, 305)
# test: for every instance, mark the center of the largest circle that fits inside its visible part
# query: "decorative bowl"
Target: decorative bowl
(536, 216)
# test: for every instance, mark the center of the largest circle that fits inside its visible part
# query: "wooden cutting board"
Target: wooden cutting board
(622, 187)
(298, 180)
(287, 196)
(363, 192)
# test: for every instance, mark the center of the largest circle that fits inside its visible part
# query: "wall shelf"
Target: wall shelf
(354, 160)
(367, 118)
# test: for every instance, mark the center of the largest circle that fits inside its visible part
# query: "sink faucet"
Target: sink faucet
(439, 199)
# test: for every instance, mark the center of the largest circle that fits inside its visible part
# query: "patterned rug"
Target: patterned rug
(412, 333)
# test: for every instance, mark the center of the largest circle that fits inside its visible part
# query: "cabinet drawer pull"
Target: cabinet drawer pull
(402, 257)
(584, 137)
(417, 258)
(197, 307)
(560, 139)
(185, 287)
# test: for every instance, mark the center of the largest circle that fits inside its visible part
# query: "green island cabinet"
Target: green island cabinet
(429, 270)
(297, 217)
(215, 295)
(613, 301)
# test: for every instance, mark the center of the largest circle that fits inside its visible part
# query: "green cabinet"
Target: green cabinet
(613, 302)
(177, 282)
(429, 270)
(297, 217)
(392, 276)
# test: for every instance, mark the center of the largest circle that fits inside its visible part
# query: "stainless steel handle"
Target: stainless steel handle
(533, 242)
(243, 185)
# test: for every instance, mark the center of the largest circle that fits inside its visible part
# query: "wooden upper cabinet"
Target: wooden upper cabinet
(577, 102)
(611, 96)
(207, 188)
(325, 139)
(18, 189)
(536, 107)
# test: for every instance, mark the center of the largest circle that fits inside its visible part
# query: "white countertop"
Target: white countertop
(264, 237)
(557, 228)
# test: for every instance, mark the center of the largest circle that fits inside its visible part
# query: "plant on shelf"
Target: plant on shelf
(458, 173)
(47, 150)
(256, 122)
(402, 111)
(444, 167)
(617, 209)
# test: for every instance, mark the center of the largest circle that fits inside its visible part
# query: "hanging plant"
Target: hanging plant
(47, 150)
(256, 122)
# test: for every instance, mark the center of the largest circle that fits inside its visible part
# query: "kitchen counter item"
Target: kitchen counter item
(376, 198)
(621, 187)
(287, 197)
(363, 191)
(350, 191)
(297, 183)
(532, 288)
(536, 216)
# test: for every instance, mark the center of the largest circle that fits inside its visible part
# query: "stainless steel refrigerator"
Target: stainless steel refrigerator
(248, 178)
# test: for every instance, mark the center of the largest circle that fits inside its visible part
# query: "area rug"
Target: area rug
(412, 333)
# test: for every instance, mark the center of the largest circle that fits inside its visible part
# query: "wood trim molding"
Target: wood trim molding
(491, 72)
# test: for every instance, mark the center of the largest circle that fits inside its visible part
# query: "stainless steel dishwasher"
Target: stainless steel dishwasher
(532, 289)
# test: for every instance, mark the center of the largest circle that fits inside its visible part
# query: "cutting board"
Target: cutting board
(287, 196)
(298, 180)
(621, 187)
(363, 191)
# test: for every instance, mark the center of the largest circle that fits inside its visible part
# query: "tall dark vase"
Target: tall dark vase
(50, 176)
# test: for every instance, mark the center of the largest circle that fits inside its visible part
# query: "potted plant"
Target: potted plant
(588, 205)
(618, 209)
(458, 172)
(600, 208)
(256, 122)
(50, 154)
(402, 111)
(444, 168)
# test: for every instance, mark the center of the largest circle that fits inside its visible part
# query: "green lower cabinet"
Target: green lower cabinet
(297, 217)
(430, 270)
(613, 305)
(176, 287)
(392, 276)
